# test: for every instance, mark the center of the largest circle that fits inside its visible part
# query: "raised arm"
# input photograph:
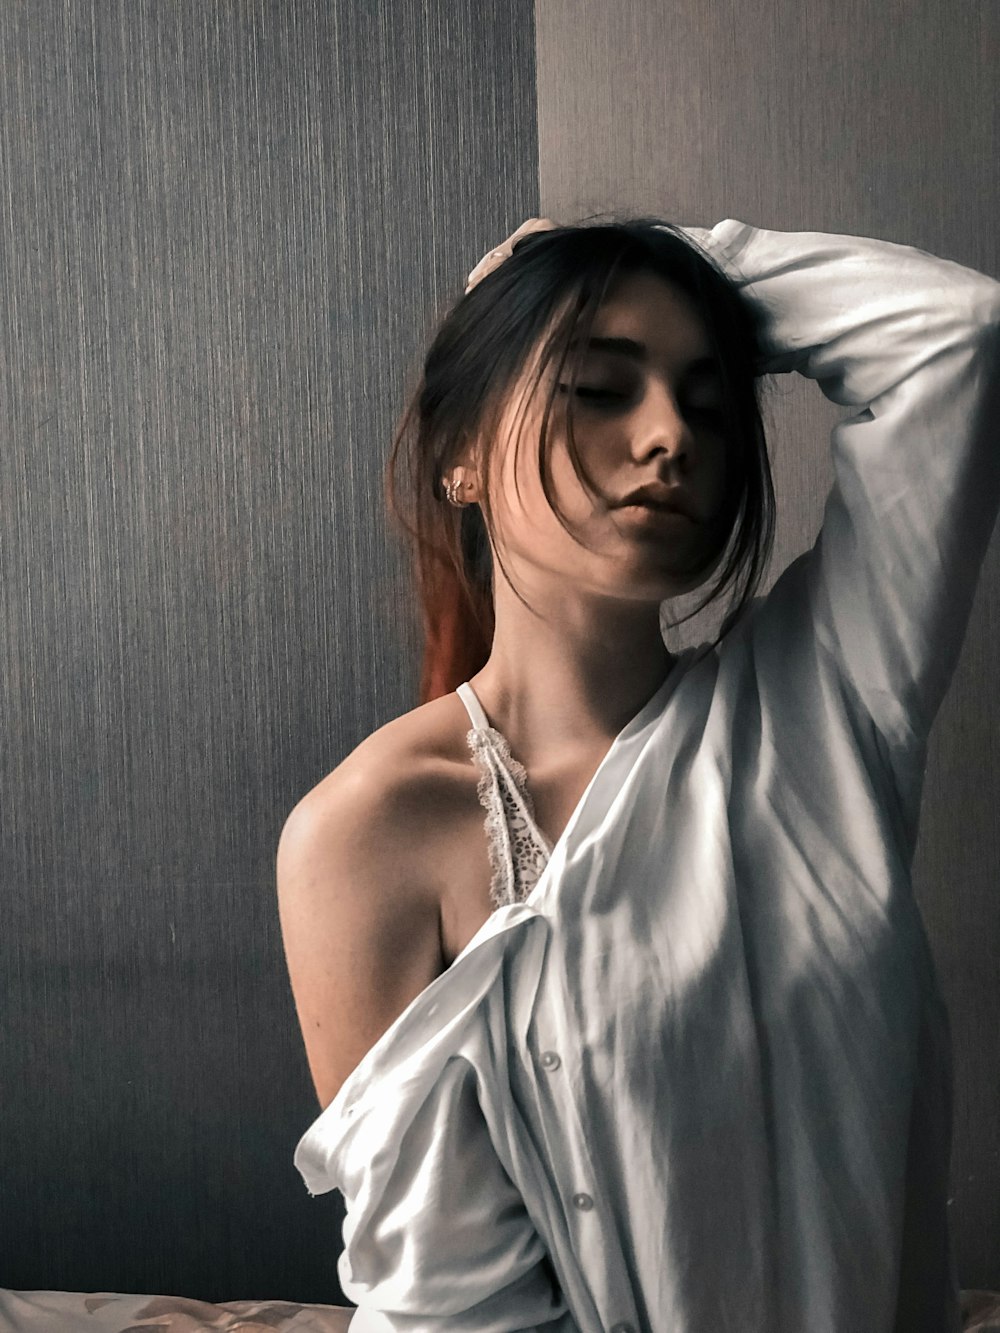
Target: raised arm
(912, 342)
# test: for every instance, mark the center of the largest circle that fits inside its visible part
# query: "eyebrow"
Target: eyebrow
(638, 351)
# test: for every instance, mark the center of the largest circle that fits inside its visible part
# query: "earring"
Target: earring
(452, 489)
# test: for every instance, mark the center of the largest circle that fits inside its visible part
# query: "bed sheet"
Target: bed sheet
(115, 1312)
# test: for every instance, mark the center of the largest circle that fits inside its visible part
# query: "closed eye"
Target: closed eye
(610, 395)
(585, 391)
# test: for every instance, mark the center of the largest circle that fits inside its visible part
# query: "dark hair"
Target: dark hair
(555, 280)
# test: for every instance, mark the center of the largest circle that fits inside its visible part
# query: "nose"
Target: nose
(661, 427)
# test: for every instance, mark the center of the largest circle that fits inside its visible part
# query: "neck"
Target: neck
(567, 680)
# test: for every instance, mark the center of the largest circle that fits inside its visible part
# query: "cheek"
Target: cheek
(717, 458)
(569, 489)
(524, 507)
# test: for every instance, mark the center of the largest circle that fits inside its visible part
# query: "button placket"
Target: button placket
(582, 1202)
(551, 1061)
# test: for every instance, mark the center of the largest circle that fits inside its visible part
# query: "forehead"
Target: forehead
(645, 318)
(644, 322)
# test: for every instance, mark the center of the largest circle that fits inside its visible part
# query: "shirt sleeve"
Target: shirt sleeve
(436, 1235)
(912, 343)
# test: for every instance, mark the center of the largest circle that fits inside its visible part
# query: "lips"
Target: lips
(656, 495)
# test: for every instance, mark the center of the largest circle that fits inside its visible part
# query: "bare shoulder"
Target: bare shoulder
(359, 902)
(393, 784)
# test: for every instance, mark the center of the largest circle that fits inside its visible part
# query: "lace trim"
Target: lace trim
(518, 850)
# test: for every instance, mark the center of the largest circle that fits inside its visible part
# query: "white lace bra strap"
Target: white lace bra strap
(518, 849)
(472, 705)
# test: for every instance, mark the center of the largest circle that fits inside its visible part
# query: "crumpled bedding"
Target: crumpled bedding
(981, 1311)
(113, 1312)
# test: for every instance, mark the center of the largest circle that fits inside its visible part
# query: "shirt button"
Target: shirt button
(583, 1201)
(550, 1060)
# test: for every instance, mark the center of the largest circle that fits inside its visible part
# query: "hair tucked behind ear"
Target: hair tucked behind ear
(546, 292)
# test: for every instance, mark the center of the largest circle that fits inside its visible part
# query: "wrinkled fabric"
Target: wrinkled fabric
(127, 1312)
(700, 1078)
(114, 1312)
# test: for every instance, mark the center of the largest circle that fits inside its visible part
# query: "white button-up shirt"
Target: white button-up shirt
(699, 1080)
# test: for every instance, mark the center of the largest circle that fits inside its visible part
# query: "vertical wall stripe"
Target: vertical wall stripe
(226, 232)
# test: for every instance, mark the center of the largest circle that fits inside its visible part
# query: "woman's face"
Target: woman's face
(647, 408)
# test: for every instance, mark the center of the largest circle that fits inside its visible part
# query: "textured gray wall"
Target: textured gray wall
(225, 232)
(863, 118)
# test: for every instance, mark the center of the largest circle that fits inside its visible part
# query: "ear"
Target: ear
(469, 456)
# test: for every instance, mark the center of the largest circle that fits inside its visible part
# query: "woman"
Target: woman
(663, 1049)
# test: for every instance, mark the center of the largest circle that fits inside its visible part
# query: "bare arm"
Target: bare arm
(437, 1235)
(361, 934)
